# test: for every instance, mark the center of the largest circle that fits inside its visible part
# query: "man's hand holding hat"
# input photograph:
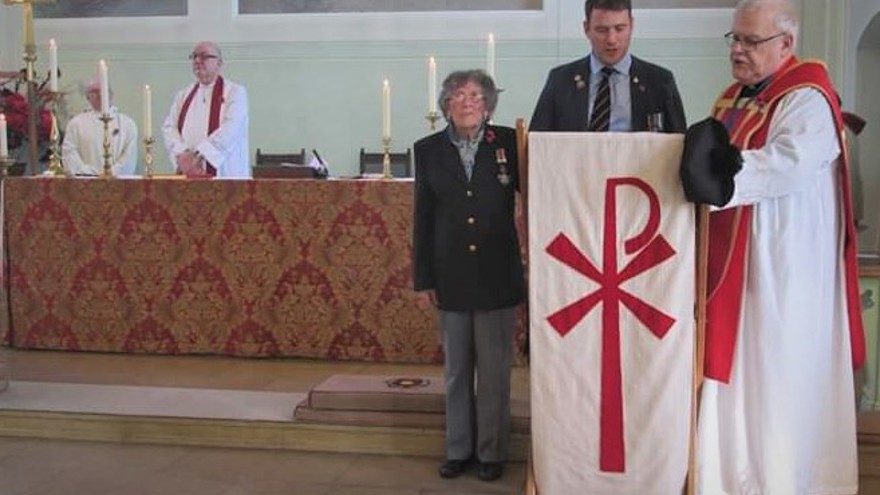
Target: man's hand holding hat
(709, 163)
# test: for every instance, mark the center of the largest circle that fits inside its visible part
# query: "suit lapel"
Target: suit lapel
(637, 95)
(450, 160)
(582, 93)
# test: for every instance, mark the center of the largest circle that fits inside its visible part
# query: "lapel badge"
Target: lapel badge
(579, 82)
(501, 160)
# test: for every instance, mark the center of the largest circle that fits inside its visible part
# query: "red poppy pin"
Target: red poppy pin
(490, 136)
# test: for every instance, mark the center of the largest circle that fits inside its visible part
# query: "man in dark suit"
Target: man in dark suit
(609, 90)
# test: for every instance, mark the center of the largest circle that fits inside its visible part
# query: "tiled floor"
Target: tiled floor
(50, 467)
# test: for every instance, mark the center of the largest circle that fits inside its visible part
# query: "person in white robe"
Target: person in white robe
(206, 130)
(784, 423)
(82, 150)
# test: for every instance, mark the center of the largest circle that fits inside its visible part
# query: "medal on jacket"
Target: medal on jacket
(501, 160)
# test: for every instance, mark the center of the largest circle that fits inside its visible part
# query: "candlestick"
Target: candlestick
(432, 118)
(108, 171)
(386, 158)
(105, 87)
(148, 157)
(432, 86)
(53, 66)
(55, 168)
(148, 112)
(386, 110)
(490, 56)
(4, 146)
(30, 56)
(5, 164)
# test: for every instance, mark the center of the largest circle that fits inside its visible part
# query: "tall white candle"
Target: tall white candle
(386, 110)
(432, 85)
(53, 66)
(490, 56)
(105, 87)
(148, 112)
(4, 147)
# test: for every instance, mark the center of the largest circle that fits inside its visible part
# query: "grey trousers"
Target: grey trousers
(478, 343)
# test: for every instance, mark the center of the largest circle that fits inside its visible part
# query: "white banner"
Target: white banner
(611, 294)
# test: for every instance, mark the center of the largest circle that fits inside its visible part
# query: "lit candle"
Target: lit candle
(386, 110)
(53, 66)
(432, 86)
(490, 56)
(148, 112)
(105, 87)
(4, 148)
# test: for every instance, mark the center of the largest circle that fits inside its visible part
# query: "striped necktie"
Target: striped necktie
(601, 117)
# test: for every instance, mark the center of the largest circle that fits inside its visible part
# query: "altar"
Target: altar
(258, 268)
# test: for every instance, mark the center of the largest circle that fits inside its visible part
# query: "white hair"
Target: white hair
(785, 14)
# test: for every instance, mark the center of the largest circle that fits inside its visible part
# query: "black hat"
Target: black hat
(709, 163)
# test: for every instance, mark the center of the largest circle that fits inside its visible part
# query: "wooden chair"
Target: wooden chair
(282, 166)
(401, 163)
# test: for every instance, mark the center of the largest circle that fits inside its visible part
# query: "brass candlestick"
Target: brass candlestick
(432, 118)
(55, 167)
(108, 170)
(386, 157)
(148, 157)
(30, 59)
(5, 164)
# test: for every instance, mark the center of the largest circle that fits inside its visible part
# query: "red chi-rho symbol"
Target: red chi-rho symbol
(650, 249)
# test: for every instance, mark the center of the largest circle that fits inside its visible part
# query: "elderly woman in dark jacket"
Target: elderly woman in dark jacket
(467, 262)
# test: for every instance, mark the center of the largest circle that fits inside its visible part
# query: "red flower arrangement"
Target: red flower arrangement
(15, 106)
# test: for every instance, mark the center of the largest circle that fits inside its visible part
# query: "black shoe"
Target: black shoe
(453, 468)
(490, 471)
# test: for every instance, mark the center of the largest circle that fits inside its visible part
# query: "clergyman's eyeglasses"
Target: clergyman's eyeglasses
(748, 43)
(201, 57)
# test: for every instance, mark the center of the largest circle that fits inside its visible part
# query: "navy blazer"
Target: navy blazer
(465, 244)
(564, 102)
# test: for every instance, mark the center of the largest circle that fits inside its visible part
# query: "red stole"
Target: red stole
(729, 229)
(213, 115)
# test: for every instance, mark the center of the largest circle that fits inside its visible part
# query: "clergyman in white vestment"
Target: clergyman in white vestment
(82, 151)
(206, 130)
(782, 422)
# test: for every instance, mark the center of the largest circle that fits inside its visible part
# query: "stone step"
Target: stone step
(386, 401)
(412, 394)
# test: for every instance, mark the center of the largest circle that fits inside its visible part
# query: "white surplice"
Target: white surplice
(785, 425)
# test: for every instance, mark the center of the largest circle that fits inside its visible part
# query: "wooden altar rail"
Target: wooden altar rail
(318, 269)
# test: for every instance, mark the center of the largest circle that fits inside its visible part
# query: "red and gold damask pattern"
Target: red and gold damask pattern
(316, 269)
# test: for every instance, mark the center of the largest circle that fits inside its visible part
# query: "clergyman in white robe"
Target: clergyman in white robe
(227, 147)
(785, 424)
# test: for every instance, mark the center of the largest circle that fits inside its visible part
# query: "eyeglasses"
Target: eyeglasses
(748, 43)
(471, 97)
(201, 57)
